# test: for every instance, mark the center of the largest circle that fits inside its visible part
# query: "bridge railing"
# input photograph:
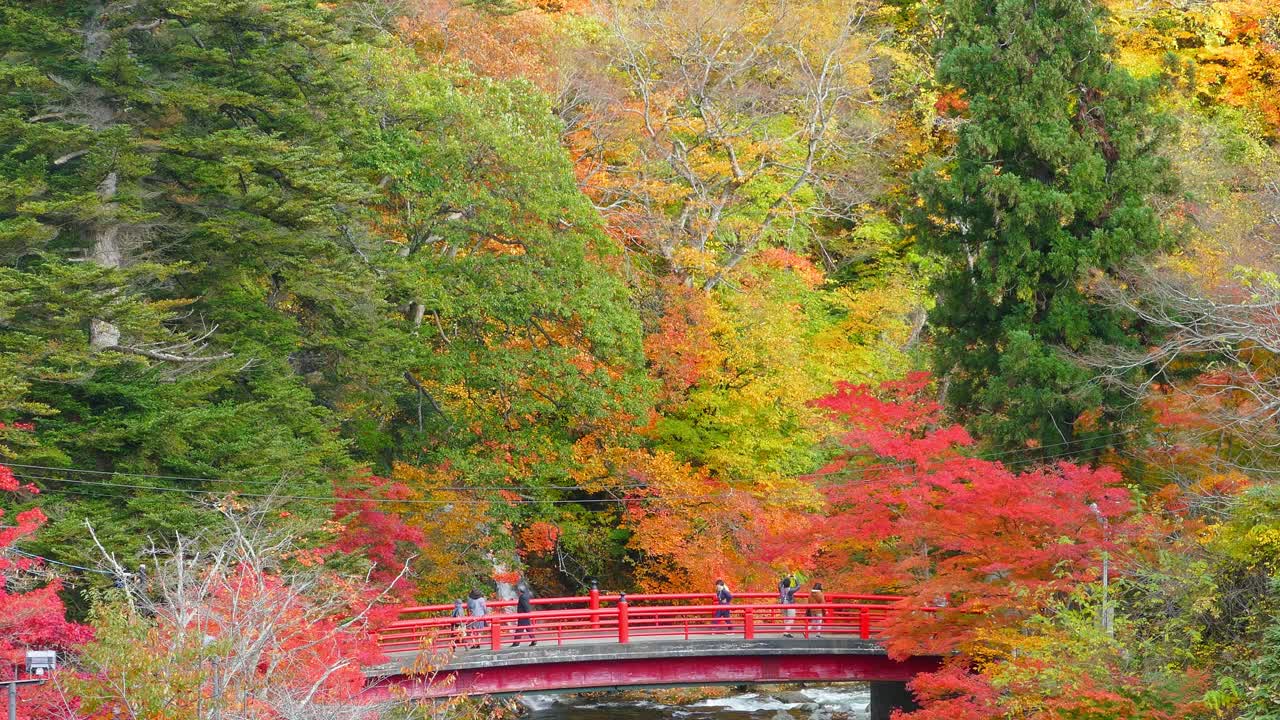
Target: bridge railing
(623, 622)
(601, 600)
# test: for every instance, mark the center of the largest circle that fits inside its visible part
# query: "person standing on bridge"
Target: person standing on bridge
(723, 597)
(524, 625)
(460, 626)
(817, 597)
(787, 596)
(478, 609)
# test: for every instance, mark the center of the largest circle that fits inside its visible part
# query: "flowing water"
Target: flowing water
(833, 702)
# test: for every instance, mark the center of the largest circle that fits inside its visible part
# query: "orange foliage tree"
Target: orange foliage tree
(1231, 49)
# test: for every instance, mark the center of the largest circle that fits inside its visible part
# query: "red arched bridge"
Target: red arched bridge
(598, 641)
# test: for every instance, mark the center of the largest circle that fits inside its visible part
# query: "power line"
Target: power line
(336, 499)
(328, 499)
(120, 473)
(459, 501)
(497, 488)
(59, 562)
(863, 469)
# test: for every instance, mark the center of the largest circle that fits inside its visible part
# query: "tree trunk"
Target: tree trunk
(103, 234)
(103, 239)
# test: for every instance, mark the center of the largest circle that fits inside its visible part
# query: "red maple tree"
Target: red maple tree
(377, 532)
(910, 512)
(34, 617)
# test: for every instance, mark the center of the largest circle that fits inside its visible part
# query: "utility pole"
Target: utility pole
(1107, 619)
(13, 691)
(38, 663)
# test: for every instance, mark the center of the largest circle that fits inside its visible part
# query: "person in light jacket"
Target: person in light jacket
(816, 614)
(478, 609)
(787, 587)
(459, 626)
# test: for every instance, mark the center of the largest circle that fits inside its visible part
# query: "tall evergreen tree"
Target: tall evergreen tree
(1055, 163)
(228, 252)
(171, 183)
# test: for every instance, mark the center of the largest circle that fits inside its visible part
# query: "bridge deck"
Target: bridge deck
(587, 650)
(576, 666)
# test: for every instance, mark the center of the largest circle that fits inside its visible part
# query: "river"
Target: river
(833, 702)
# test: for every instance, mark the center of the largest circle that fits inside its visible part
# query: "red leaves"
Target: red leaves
(684, 345)
(35, 618)
(920, 518)
(10, 483)
(509, 577)
(951, 103)
(540, 537)
(28, 521)
(1058, 685)
(376, 531)
(784, 259)
(954, 693)
(304, 644)
(986, 547)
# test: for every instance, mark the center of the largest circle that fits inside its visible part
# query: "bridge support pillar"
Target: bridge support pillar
(889, 696)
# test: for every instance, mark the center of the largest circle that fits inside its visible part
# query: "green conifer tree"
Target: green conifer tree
(1055, 163)
(259, 243)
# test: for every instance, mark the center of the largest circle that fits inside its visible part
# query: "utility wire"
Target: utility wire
(334, 498)
(410, 501)
(984, 456)
(494, 488)
(432, 501)
(146, 476)
(51, 561)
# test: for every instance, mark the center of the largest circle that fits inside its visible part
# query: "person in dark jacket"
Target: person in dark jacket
(524, 625)
(478, 609)
(723, 597)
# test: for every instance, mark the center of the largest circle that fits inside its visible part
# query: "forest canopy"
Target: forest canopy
(942, 298)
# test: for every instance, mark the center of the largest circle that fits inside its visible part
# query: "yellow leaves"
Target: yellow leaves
(1208, 534)
(695, 262)
(1204, 258)
(1257, 546)
(1264, 537)
(689, 524)
(453, 529)
(502, 246)
(1225, 40)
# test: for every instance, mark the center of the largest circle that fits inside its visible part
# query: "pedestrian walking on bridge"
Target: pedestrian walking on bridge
(524, 625)
(459, 626)
(723, 597)
(478, 609)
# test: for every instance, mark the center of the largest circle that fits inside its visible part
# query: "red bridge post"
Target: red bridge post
(864, 623)
(749, 624)
(593, 602)
(495, 636)
(624, 631)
